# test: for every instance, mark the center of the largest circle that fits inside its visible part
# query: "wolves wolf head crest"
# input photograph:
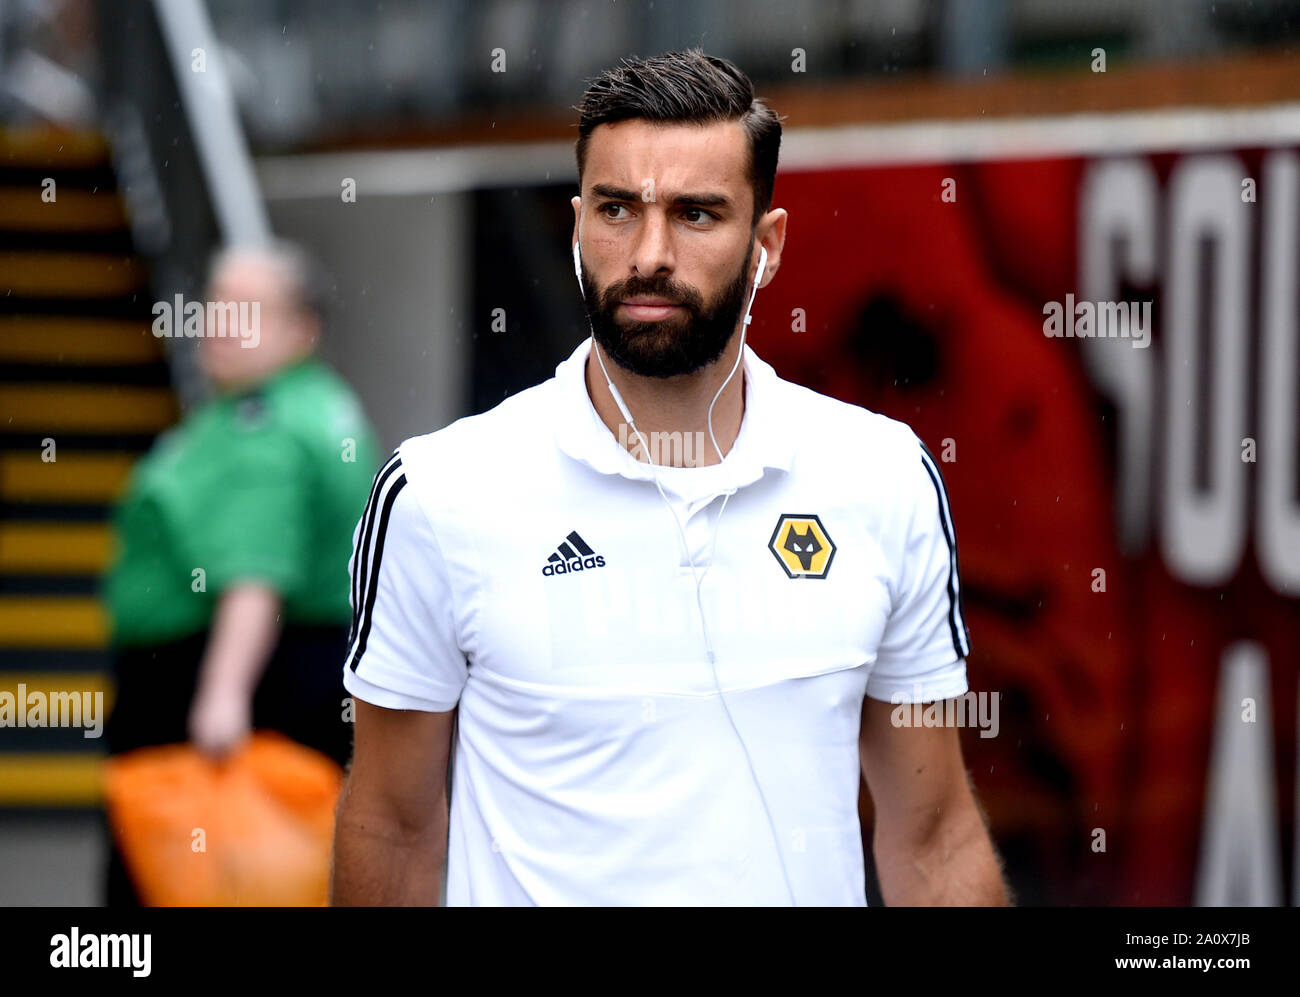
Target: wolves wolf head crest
(802, 545)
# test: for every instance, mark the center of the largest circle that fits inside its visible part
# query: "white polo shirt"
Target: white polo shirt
(594, 761)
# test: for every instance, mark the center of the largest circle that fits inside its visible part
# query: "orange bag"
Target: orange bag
(251, 830)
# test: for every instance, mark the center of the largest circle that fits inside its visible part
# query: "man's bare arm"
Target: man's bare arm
(931, 843)
(245, 628)
(390, 834)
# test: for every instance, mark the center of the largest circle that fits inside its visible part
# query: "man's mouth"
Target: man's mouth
(645, 309)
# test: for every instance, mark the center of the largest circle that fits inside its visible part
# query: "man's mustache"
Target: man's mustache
(621, 292)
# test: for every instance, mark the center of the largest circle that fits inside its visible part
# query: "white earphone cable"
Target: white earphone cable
(697, 575)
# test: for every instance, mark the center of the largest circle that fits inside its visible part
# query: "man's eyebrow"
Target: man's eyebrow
(624, 194)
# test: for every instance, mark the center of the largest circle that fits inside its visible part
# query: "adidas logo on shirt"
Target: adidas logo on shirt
(573, 554)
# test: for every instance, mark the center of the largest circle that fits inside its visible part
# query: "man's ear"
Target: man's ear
(774, 239)
(309, 330)
(576, 201)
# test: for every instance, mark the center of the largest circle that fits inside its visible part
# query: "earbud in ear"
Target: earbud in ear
(753, 286)
(577, 266)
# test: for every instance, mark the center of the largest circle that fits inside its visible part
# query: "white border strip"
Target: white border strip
(447, 170)
(1089, 134)
(408, 172)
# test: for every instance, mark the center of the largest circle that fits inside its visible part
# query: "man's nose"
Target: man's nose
(654, 250)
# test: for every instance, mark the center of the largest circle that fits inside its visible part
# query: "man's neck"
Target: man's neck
(672, 413)
(254, 381)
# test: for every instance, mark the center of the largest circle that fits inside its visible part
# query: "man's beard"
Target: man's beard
(691, 338)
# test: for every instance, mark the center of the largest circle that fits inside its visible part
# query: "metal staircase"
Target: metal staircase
(82, 381)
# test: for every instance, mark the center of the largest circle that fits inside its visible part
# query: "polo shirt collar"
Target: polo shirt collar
(764, 440)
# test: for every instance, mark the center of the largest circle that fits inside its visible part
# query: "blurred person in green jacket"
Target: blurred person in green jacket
(228, 591)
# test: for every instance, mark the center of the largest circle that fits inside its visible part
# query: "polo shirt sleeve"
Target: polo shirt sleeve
(922, 653)
(403, 650)
(255, 528)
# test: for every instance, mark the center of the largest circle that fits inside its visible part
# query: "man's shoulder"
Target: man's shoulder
(482, 445)
(865, 460)
(315, 403)
(849, 435)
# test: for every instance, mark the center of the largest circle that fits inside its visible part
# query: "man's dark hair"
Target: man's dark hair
(686, 87)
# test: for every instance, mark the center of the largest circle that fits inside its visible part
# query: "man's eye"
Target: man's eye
(604, 208)
(704, 215)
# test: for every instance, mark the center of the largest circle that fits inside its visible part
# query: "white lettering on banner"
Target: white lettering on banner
(1204, 517)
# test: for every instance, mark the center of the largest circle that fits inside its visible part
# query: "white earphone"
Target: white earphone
(695, 573)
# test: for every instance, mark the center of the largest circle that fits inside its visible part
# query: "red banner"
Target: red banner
(1104, 353)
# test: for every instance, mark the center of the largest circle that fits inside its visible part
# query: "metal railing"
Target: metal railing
(179, 151)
